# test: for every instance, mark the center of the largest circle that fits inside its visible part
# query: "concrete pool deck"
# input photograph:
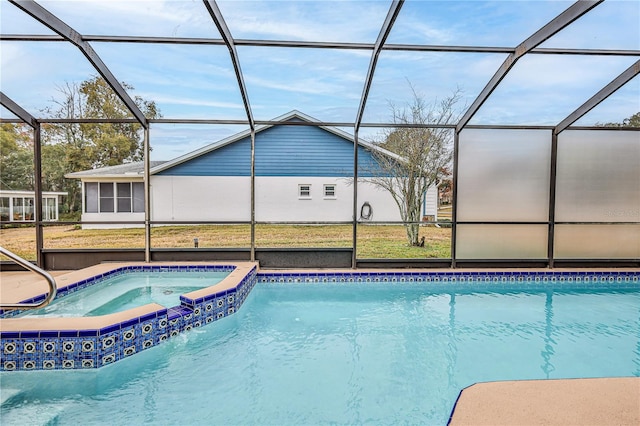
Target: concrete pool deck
(607, 401)
(610, 401)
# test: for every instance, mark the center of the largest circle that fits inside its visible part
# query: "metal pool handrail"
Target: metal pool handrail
(53, 289)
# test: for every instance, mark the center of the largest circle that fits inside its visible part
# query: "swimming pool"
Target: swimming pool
(126, 291)
(328, 348)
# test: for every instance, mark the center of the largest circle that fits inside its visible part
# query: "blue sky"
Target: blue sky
(199, 82)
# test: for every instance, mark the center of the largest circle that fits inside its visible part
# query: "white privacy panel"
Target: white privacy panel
(503, 175)
(597, 241)
(501, 241)
(598, 176)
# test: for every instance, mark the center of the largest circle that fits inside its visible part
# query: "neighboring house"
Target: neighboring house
(113, 194)
(302, 174)
(17, 206)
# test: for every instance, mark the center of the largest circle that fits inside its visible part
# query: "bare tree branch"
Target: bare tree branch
(423, 154)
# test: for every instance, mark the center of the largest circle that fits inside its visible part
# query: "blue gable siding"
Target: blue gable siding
(230, 160)
(280, 151)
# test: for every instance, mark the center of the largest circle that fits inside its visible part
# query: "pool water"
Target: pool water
(129, 290)
(342, 354)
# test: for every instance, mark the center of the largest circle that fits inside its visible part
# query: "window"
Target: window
(130, 197)
(124, 197)
(91, 197)
(49, 209)
(329, 191)
(23, 208)
(18, 208)
(4, 209)
(304, 191)
(29, 209)
(106, 197)
(109, 197)
(138, 197)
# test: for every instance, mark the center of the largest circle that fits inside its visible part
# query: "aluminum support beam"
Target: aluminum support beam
(18, 111)
(37, 169)
(218, 19)
(318, 44)
(603, 94)
(55, 24)
(354, 233)
(37, 199)
(551, 232)
(561, 21)
(147, 196)
(454, 199)
(394, 10)
(253, 195)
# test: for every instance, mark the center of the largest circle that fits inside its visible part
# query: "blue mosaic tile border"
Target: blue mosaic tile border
(97, 279)
(81, 349)
(461, 280)
(86, 349)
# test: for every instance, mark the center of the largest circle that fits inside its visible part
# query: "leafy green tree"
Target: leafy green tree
(633, 121)
(17, 170)
(72, 147)
(16, 157)
(9, 138)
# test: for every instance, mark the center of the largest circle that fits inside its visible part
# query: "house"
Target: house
(113, 194)
(18, 206)
(302, 174)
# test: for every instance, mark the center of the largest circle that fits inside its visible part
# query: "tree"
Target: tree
(16, 157)
(12, 137)
(633, 121)
(421, 159)
(72, 147)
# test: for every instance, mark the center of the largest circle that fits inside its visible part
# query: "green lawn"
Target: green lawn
(374, 241)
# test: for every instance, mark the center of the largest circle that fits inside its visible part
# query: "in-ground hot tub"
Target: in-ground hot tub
(61, 342)
(130, 289)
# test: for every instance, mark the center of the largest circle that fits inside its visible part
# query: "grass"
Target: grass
(374, 241)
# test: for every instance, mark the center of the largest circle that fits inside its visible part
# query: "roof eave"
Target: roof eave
(81, 176)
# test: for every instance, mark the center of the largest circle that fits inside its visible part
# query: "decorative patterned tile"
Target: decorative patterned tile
(48, 364)
(10, 347)
(83, 349)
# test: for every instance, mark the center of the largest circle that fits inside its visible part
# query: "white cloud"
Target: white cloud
(139, 17)
(161, 98)
(344, 21)
(32, 73)
(199, 81)
(564, 72)
(544, 93)
(306, 85)
(611, 25)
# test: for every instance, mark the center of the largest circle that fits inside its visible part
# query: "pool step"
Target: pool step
(31, 413)
(7, 394)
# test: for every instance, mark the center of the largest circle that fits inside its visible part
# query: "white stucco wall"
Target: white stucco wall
(431, 202)
(107, 217)
(277, 199)
(206, 198)
(214, 198)
(186, 198)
